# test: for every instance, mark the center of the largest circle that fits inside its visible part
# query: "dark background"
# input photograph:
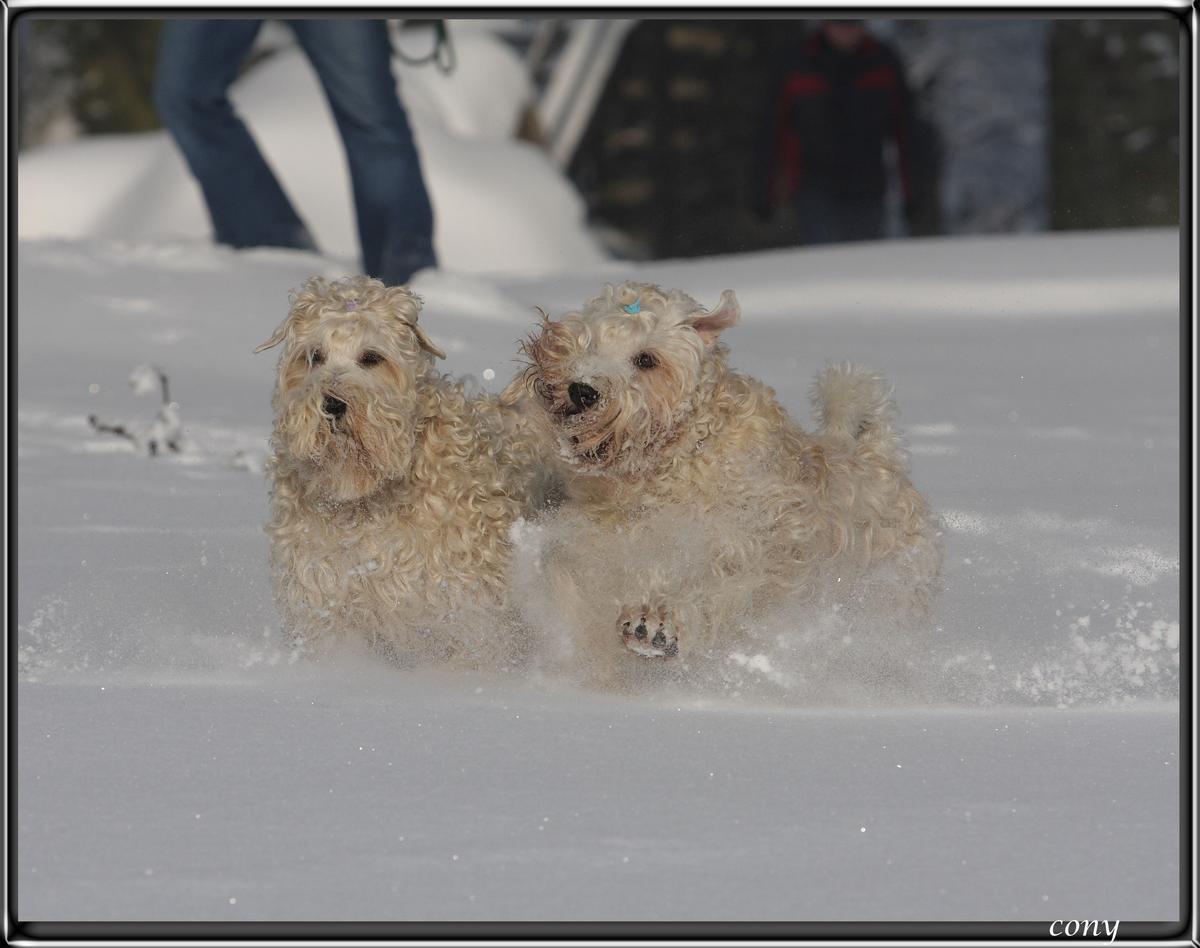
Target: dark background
(1026, 125)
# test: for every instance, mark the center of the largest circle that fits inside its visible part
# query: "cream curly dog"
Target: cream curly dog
(392, 490)
(695, 504)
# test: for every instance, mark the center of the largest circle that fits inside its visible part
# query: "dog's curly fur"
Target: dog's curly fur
(392, 490)
(695, 504)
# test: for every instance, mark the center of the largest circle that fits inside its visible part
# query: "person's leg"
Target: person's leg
(353, 59)
(197, 62)
(822, 218)
(816, 217)
(861, 219)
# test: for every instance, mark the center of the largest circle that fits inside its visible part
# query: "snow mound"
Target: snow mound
(176, 761)
(1062, 557)
(500, 206)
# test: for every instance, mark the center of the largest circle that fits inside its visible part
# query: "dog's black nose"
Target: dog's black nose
(582, 395)
(333, 406)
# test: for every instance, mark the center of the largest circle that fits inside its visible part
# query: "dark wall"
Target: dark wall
(669, 157)
(1115, 116)
(100, 72)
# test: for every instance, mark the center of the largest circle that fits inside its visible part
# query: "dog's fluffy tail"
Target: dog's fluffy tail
(853, 403)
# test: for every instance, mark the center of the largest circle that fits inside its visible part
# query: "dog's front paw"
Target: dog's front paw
(650, 631)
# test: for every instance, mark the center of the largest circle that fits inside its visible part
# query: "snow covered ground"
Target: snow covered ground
(172, 763)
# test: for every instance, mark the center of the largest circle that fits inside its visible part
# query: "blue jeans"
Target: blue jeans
(198, 61)
(823, 218)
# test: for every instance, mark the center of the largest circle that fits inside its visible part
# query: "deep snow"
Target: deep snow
(172, 762)
(363, 796)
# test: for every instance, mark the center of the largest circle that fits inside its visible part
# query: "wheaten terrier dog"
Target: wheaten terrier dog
(392, 491)
(695, 505)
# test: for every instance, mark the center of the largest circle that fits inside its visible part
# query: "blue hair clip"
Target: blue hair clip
(634, 307)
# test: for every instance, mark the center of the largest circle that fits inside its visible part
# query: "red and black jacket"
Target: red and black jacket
(832, 113)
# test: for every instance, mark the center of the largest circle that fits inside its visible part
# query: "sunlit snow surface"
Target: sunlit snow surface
(174, 761)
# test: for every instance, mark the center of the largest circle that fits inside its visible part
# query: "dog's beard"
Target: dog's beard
(586, 443)
(348, 458)
(618, 436)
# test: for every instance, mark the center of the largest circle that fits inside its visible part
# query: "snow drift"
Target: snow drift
(174, 761)
(499, 204)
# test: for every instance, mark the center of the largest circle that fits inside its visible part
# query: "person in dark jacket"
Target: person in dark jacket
(840, 99)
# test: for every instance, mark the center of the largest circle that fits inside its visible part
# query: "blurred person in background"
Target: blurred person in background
(197, 62)
(840, 98)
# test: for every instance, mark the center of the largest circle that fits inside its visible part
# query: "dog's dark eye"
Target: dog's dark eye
(369, 358)
(645, 360)
(316, 357)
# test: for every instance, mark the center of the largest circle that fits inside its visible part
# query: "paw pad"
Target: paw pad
(650, 633)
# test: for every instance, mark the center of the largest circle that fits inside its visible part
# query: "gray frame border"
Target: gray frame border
(1182, 932)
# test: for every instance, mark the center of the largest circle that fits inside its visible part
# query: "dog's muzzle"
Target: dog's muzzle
(582, 395)
(333, 407)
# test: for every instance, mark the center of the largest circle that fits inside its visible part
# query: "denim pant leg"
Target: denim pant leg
(862, 219)
(815, 217)
(197, 62)
(353, 59)
(824, 219)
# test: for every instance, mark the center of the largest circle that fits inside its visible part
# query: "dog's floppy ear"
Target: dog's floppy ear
(514, 391)
(710, 325)
(403, 305)
(277, 336)
(519, 386)
(303, 305)
(424, 342)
